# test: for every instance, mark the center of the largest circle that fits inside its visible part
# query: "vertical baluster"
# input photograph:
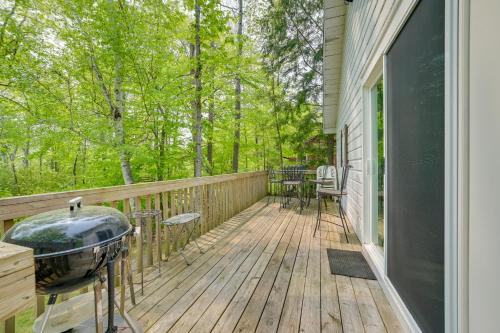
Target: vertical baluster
(40, 305)
(226, 200)
(185, 209)
(175, 211)
(114, 204)
(157, 227)
(139, 240)
(204, 211)
(166, 215)
(210, 207)
(149, 234)
(219, 202)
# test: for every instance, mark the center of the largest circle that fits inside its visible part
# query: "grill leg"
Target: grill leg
(50, 306)
(110, 265)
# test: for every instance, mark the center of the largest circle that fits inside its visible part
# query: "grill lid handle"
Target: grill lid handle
(75, 204)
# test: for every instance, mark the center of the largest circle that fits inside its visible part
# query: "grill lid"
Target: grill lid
(70, 230)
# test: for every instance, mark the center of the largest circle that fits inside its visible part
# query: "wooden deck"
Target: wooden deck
(263, 271)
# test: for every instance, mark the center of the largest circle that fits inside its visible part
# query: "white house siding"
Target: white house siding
(365, 22)
(333, 25)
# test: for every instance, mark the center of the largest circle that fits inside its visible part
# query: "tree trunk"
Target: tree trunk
(26, 150)
(75, 165)
(84, 160)
(210, 143)
(246, 145)
(161, 163)
(12, 158)
(237, 91)
(277, 122)
(211, 121)
(116, 106)
(119, 111)
(197, 130)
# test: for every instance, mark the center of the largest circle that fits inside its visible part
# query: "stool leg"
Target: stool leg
(300, 195)
(194, 240)
(309, 194)
(130, 275)
(181, 251)
(318, 215)
(342, 218)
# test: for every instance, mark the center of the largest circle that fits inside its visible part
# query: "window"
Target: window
(345, 149)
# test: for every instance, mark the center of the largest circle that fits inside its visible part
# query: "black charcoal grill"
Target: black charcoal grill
(71, 246)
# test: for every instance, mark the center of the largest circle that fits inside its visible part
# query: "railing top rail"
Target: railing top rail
(15, 207)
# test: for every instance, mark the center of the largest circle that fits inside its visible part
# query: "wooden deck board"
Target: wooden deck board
(263, 271)
(251, 315)
(237, 292)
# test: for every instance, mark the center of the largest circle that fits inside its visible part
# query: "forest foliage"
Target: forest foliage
(99, 93)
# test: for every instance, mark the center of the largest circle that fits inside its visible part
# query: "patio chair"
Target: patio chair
(326, 177)
(292, 185)
(273, 182)
(336, 194)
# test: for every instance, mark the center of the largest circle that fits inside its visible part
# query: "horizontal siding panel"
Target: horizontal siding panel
(334, 11)
(333, 3)
(364, 24)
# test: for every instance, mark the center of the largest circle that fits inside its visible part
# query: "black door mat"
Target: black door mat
(349, 263)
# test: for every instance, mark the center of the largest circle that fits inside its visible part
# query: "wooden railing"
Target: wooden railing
(216, 198)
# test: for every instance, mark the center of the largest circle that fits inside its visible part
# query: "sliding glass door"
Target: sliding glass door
(414, 78)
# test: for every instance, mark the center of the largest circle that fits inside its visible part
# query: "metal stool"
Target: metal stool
(182, 221)
(339, 194)
(293, 185)
(140, 217)
(273, 181)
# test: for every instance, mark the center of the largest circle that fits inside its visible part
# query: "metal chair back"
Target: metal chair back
(343, 183)
(293, 173)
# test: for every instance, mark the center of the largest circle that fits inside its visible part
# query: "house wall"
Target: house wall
(484, 166)
(333, 47)
(366, 23)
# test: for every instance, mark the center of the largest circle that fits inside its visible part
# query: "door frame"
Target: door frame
(456, 161)
(370, 182)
